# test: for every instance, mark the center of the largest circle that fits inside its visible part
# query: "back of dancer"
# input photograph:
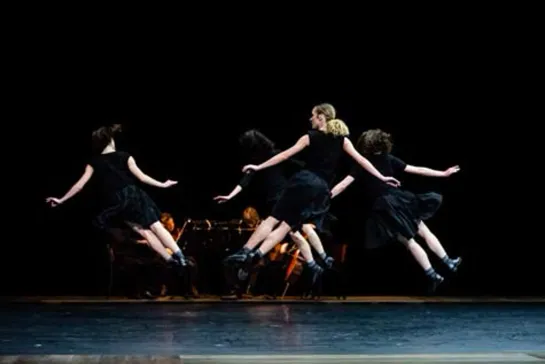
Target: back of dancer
(112, 171)
(396, 214)
(323, 154)
(116, 173)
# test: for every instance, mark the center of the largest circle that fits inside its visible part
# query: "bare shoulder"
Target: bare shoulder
(303, 141)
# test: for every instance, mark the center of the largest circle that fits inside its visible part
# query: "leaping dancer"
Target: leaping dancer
(398, 215)
(115, 171)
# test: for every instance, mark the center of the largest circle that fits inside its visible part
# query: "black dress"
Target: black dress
(307, 197)
(123, 198)
(394, 212)
(267, 186)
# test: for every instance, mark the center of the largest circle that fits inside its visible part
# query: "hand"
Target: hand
(250, 167)
(169, 183)
(392, 181)
(451, 171)
(53, 201)
(222, 199)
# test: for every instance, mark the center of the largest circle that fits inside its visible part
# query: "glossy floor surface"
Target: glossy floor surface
(260, 329)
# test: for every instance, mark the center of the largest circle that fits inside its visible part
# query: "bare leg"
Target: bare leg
(152, 240)
(262, 231)
(436, 247)
(418, 253)
(274, 238)
(422, 258)
(168, 241)
(316, 243)
(303, 246)
(432, 241)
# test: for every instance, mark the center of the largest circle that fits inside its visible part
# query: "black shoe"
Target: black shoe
(252, 260)
(180, 258)
(453, 264)
(329, 261)
(238, 257)
(435, 281)
(176, 265)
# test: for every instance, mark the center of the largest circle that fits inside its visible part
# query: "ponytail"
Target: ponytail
(337, 127)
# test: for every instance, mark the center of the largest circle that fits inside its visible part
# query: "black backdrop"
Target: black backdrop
(182, 123)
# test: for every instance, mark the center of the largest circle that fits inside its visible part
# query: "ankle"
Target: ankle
(431, 273)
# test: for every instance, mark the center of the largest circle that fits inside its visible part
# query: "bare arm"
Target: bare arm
(78, 186)
(428, 172)
(144, 178)
(234, 192)
(341, 186)
(349, 148)
(244, 182)
(301, 144)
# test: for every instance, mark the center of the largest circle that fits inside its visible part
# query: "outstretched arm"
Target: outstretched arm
(349, 148)
(78, 186)
(301, 144)
(144, 178)
(234, 192)
(341, 186)
(428, 172)
(244, 182)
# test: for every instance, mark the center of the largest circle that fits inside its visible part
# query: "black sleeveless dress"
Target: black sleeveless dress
(307, 196)
(394, 212)
(123, 199)
(267, 186)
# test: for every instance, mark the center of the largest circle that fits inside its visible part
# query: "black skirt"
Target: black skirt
(398, 214)
(305, 200)
(130, 204)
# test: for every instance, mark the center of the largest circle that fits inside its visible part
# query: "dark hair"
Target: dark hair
(256, 146)
(374, 141)
(102, 136)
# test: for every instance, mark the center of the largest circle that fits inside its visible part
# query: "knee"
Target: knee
(280, 232)
(270, 222)
(156, 226)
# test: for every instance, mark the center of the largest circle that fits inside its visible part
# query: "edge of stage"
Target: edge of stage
(314, 359)
(271, 300)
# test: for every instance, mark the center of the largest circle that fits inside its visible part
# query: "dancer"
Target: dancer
(123, 197)
(270, 184)
(397, 214)
(307, 195)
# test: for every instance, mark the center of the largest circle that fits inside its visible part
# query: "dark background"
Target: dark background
(444, 105)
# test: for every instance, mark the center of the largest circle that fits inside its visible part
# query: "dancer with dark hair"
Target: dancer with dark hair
(307, 195)
(270, 184)
(398, 215)
(124, 199)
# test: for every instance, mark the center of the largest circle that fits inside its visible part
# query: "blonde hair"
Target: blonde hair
(337, 127)
(327, 110)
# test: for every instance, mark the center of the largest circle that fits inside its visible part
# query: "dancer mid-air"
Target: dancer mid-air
(269, 185)
(398, 215)
(123, 199)
(306, 196)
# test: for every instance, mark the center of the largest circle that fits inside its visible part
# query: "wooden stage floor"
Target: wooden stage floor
(262, 299)
(209, 330)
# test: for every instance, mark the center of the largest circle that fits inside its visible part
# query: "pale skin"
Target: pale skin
(156, 235)
(265, 231)
(297, 237)
(423, 231)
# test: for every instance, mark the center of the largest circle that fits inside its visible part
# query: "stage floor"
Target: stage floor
(462, 330)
